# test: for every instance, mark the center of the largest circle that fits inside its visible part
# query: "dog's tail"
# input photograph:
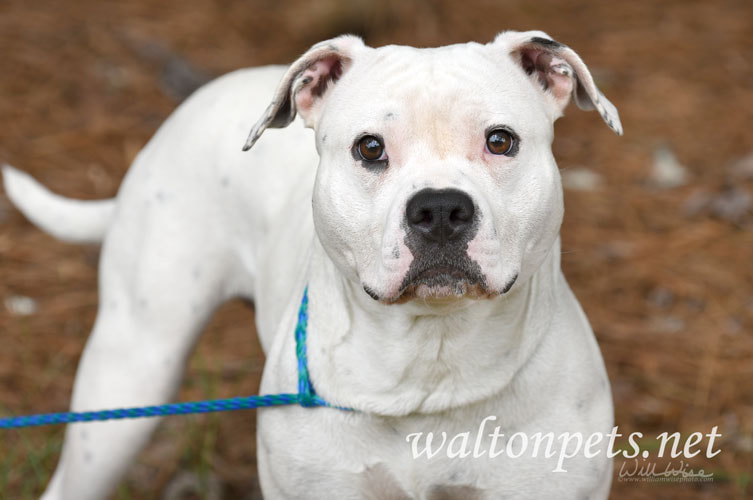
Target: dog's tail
(74, 221)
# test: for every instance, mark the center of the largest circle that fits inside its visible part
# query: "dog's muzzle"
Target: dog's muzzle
(439, 224)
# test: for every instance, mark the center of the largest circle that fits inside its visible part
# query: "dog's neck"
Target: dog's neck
(414, 358)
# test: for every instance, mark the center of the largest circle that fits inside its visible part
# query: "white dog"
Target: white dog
(428, 236)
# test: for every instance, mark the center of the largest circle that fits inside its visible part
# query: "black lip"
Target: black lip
(510, 283)
(440, 275)
(458, 275)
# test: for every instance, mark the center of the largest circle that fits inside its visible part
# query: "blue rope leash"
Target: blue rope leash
(306, 396)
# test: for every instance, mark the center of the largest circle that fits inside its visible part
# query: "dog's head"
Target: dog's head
(436, 176)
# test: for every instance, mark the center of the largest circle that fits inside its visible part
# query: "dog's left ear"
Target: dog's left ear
(306, 83)
(559, 71)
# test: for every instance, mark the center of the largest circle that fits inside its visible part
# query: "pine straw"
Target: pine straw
(670, 296)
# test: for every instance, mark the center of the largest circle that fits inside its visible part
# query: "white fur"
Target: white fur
(198, 221)
(74, 221)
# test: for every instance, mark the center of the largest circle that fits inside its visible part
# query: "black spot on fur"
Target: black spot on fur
(548, 43)
(454, 492)
(321, 86)
(279, 116)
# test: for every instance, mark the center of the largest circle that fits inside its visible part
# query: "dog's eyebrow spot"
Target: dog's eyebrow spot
(389, 116)
(324, 138)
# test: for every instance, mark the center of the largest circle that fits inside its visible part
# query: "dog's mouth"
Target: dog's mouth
(443, 281)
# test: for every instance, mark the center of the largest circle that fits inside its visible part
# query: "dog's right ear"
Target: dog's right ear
(306, 84)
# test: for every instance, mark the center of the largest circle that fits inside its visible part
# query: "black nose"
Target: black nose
(440, 215)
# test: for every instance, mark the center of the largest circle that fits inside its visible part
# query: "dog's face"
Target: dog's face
(436, 176)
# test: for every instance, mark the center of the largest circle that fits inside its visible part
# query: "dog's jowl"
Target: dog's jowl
(422, 213)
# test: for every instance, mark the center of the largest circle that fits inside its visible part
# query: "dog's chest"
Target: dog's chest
(366, 457)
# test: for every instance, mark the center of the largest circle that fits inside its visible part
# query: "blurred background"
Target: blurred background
(657, 237)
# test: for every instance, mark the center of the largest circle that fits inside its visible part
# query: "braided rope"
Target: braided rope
(306, 396)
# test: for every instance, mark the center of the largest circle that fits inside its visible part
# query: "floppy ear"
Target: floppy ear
(559, 71)
(306, 84)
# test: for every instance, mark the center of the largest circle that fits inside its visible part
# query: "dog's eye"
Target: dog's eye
(370, 148)
(499, 142)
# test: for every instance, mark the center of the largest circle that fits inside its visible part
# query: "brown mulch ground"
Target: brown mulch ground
(665, 275)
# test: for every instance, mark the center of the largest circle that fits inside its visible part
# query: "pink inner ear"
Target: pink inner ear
(553, 73)
(316, 79)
